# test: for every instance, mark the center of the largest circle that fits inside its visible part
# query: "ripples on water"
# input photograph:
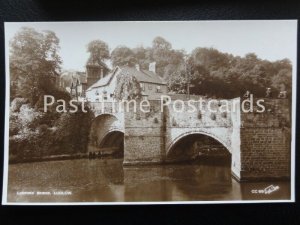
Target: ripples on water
(103, 180)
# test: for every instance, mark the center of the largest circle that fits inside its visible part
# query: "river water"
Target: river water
(104, 180)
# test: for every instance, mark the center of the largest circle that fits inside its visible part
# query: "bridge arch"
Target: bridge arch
(112, 138)
(104, 128)
(184, 141)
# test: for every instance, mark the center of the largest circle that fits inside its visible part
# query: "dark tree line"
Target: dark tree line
(209, 71)
(224, 75)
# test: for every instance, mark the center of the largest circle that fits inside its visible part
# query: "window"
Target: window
(149, 86)
(158, 89)
(105, 95)
(142, 86)
(97, 93)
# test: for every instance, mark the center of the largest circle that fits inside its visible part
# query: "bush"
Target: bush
(16, 104)
(35, 134)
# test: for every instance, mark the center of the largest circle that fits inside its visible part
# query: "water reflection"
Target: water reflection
(177, 183)
(107, 180)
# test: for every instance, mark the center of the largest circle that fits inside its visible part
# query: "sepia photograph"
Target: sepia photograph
(156, 112)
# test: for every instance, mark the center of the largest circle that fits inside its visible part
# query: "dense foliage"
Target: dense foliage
(34, 64)
(36, 134)
(98, 50)
(127, 87)
(209, 71)
(123, 56)
(33, 133)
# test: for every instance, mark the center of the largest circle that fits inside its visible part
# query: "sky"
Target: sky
(269, 39)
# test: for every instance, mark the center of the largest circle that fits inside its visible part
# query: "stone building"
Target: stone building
(151, 84)
(95, 70)
(74, 82)
(78, 87)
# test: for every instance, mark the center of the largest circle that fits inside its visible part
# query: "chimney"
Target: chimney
(152, 67)
(137, 66)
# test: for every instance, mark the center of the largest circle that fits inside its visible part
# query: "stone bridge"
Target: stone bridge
(108, 126)
(258, 143)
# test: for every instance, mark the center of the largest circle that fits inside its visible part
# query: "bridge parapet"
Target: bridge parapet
(277, 114)
(200, 115)
(213, 120)
(104, 107)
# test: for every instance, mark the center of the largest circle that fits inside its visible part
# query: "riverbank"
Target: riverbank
(16, 160)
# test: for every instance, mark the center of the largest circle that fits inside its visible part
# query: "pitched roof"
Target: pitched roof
(105, 80)
(143, 75)
(140, 75)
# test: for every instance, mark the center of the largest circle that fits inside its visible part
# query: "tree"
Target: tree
(123, 56)
(98, 50)
(282, 80)
(210, 58)
(34, 63)
(160, 43)
(127, 87)
(211, 72)
(143, 56)
(72, 132)
(176, 78)
(160, 53)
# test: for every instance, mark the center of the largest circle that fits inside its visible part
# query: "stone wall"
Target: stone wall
(222, 127)
(216, 125)
(144, 136)
(259, 143)
(266, 142)
(150, 136)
